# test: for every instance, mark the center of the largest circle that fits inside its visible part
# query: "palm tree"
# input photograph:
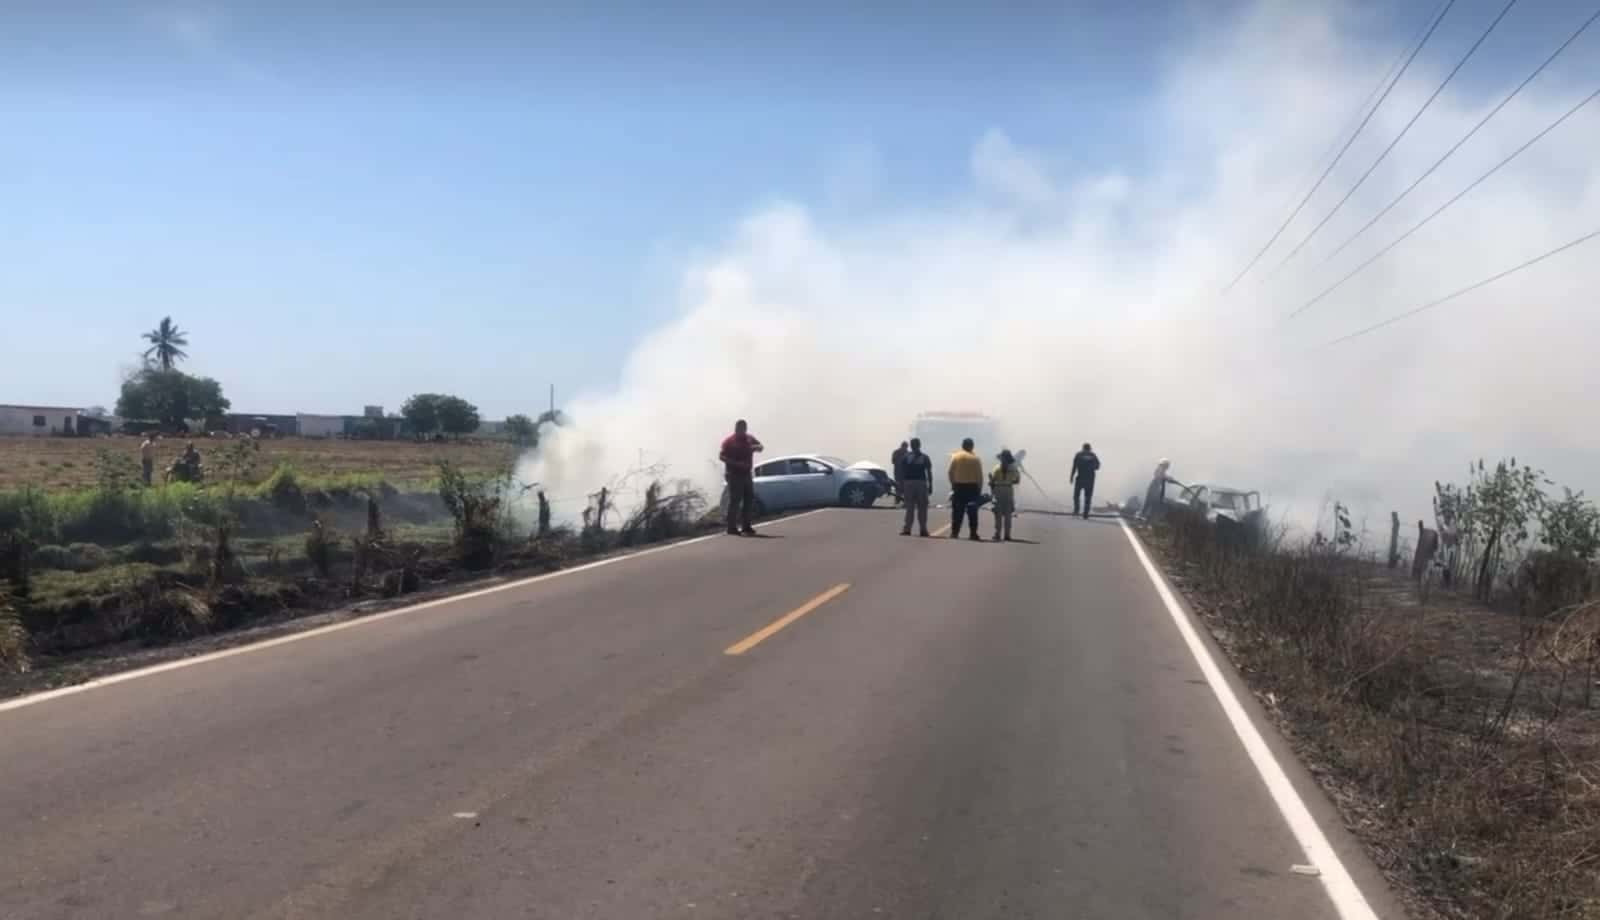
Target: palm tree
(166, 341)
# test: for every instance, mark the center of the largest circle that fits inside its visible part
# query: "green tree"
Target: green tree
(421, 412)
(521, 430)
(1571, 526)
(1505, 499)
(457, 416)
(170, 397)
(166, 345)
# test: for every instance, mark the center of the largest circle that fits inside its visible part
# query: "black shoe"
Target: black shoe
(748, 531)
(975, 538)
(733, 531)
(906, 532)
(926, 534)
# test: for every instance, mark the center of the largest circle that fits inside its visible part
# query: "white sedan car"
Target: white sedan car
(816, 481)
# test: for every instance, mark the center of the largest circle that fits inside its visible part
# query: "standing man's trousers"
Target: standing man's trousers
(915, 494)
(1083, 489)
(964, 502)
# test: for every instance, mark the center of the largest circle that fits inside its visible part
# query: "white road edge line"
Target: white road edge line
(1341, 888)
(138, 673)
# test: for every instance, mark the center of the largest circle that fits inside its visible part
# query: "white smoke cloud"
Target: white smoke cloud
(1083, 306)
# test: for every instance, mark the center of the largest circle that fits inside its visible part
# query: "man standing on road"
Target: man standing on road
(738, 468)
(915, 472)
(1003, 482)
(896, 465)
(1084, 465)
(147, 457)
(966, 489)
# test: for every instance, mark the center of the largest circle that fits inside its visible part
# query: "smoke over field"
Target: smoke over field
(1080, 305)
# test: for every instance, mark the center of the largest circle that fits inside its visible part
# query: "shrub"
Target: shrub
(663, 517)
(283, 491)
(13, 637)
(29, 511)
(478, 509)
(320, 545)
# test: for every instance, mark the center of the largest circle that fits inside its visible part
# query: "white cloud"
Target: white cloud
(1083, 307)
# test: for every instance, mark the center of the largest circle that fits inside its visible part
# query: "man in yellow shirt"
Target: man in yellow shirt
(966, 489)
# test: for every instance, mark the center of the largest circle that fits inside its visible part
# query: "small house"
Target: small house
(38, 421)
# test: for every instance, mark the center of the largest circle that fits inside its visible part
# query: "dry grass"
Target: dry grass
(1462, 744)
(69, 463)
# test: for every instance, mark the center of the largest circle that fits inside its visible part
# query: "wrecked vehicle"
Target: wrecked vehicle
(1237, 514)
(817, 481)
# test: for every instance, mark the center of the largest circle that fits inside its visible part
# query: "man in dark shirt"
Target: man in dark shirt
(738, 468)
(1084, 465)
(896, 464)
(916, 483)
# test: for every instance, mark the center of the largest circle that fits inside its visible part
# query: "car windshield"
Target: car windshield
(1231, 501)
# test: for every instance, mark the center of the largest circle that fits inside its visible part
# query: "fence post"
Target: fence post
(1394, 539)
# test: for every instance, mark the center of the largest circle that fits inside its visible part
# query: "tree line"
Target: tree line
(159, 392)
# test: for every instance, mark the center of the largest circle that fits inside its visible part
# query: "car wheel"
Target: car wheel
(857, 495)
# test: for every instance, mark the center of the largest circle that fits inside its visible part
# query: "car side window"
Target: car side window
(803, 467)
(775, 468)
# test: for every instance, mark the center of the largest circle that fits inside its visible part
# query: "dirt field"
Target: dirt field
(67, 463)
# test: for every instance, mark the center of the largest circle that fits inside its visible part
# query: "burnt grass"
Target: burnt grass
(1461, 744)
(159, 602)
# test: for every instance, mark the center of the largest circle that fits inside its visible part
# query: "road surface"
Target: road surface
(908, 728)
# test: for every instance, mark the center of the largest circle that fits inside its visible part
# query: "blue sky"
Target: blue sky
(345, 204)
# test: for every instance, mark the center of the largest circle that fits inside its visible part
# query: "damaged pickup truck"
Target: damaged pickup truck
(1237, 514)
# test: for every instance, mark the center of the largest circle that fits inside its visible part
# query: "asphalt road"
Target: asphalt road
(966, 731)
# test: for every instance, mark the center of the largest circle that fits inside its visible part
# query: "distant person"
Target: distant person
(738, 468)
(147, 457)
(916, 468)
(896, 460)
(1084, 465)
(966, 490)
(1003, 482)
(1156, 495)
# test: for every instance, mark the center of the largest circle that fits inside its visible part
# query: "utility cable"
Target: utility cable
(1441, 209)
(1466, 290)
(1323, 178)
(1464, 138)
(1399, 137)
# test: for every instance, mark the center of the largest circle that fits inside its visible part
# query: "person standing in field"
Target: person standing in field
(1084, 465)
(1003, 482)
(916, 484)
(966, 490)
(738, 469)
(896, 461)
(147, 457)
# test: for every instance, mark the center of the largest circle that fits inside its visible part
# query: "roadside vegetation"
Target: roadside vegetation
(121, 566)
(1453, 718)
(94, 562)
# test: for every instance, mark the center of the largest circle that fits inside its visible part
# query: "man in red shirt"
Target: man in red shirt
(738, 466)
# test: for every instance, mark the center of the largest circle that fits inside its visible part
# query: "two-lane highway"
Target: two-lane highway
(829, 720)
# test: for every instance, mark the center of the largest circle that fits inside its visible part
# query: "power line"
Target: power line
(1440, 210)
(1466, 137)
(1466, 290)
(1358, 111)
(1392, 144)
(1359, 128)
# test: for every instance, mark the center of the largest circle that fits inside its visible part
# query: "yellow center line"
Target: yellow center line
(759, 636)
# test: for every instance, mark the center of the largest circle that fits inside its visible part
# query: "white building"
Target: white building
(319, 426)
(38, 421)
